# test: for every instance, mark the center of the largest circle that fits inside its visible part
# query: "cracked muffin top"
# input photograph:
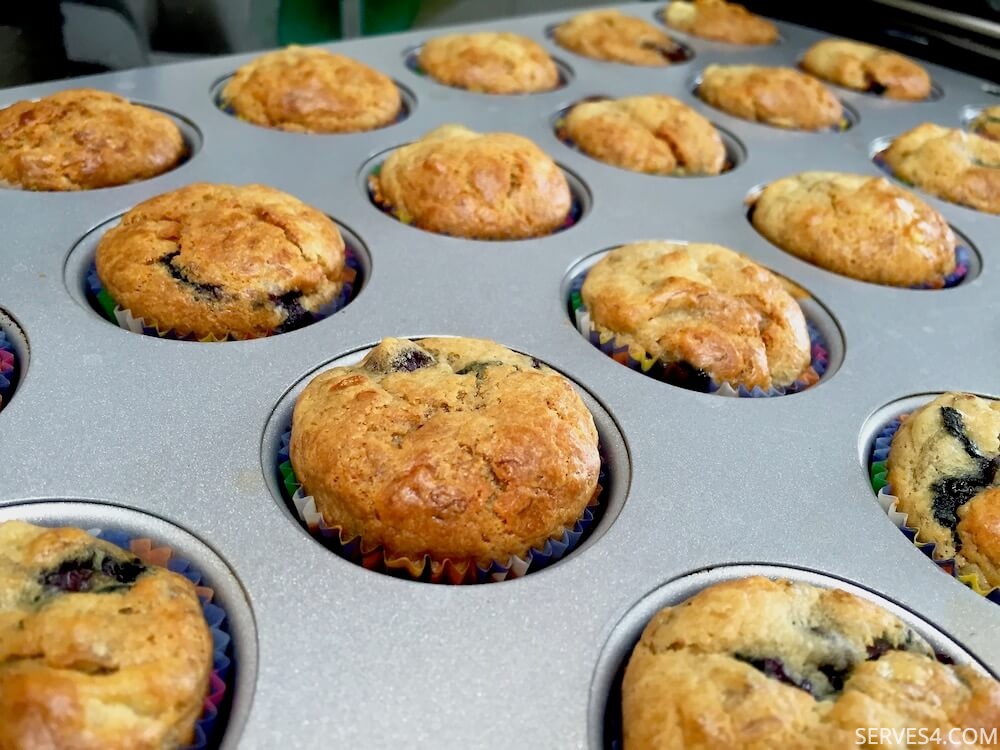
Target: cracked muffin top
(950, 163)
(703, 305)
(783, 97)
(720, 21)
(612, 36)
(220, 261)
(862, 227)
(753, 663)
(655, 134)
(451, 448)
(865, 67)
(310, 90)
(987, 123)
(943, 465)
(490, 63)
(488, 186)
(98, 651)
(84, 139)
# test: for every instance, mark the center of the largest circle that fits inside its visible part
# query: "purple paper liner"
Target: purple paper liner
(8, 369)
(683, 376)
(412, 62)
(878, 473)
(208, 729)
(99, 299)
(374, 559)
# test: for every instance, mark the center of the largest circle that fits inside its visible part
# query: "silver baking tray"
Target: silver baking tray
(176, 439)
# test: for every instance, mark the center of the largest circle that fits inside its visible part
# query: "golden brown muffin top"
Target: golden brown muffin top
(487, 186)
(310, 90)
(751, 664)
(943, 468)
(98, 651)
(865, 67)
(858, 226)
(655, 134)
(222, 260)
(490, 63)
(702, 304)
(950, 163)
(84, 139)
(449, 447)
(612, 36)
(987, 123)
(720, 21)
(783, 97)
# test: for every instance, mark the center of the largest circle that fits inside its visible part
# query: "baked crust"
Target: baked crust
(82, 139)
(490, 63)
(862, 227)
(310, 90)
(865, 67)
(98, 651)
(222, 260)
(612, 36)
(655, 134)
(702, 304)
(987, 123)
(720, 21)
(447, 447)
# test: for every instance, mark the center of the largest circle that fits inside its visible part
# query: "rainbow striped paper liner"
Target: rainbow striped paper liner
(208, 728)
(636, 359)
(448, 571)
(8, 368)
(889, 503)
(103, 302)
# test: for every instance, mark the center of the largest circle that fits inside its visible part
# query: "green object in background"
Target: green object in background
(310, 21)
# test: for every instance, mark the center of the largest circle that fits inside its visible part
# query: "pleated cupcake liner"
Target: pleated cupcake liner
(208, 729)
(103, 302)
(878, 473)
(683, 376)
(8, 368)
(447, 571)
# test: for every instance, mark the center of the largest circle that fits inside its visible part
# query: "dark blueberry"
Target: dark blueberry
(684, 375)
(876, 88)
(879, 648)
(123, 572)
(85, 575)
(410, 360)
(674, 53)
(955, 426)
(72, 576)
(179, 274)
(479, 368)
(296, 316)
(835, 676)
(536, 363)
(775, 669)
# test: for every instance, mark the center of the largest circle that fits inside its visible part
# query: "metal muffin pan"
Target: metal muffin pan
(350, 658)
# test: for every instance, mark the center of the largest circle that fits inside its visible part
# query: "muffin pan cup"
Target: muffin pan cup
(346, 657)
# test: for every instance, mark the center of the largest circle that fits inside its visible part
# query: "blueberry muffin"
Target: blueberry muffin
(446, 448)
(987, 123)
(705, 306)
(865, 67)
(490, 63)
(612, 36)
(310, 90)
(955, 165)
(720, 21)
(84, 139)
(753, 663)
(862, 227)
(98, 651)
(487, 186)
(942, 466)
(217, 261)
(655, 134)
(782, 97)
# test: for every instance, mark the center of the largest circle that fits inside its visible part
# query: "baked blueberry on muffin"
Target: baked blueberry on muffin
(98, 651)
(84, 139)
(865, 67)
(987, 123)
(217, 261)
(310, 90)
(612, 36)
(655, 134)
(702, 307)
(720, 21)
(783, 97)
(752, 663)
(446, 449)
(862, 227)
(490, 63)
(955, 165)
(943, 466)
(488, 186)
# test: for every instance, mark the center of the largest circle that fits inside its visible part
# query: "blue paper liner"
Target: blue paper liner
(103, 303)
(208, 730)
(8, 369)
(680, 374)
(427, 570)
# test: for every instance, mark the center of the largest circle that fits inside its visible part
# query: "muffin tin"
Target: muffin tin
(171, 438)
